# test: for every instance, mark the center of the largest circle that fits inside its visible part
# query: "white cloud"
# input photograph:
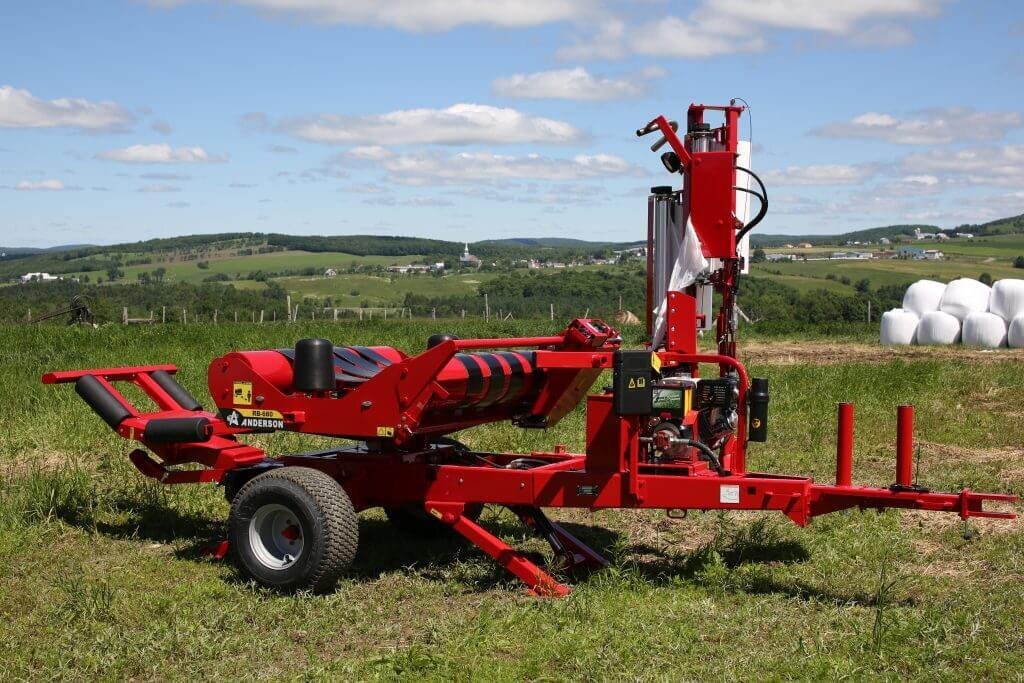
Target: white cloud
(719, 27)
(159, 188)
(21, 109)
(459, 124)
(568, 84)
(369, 153)
(839, 18)
(427, 168)
(994, 166)
(165, 176)
(819, 174)
(928, 127)
(48, 185)
(160, 154)
(177, 205)
(419, 15)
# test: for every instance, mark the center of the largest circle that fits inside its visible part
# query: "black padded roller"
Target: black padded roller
(178, 430)
(314, 365)
(176, 391)
(103, 403)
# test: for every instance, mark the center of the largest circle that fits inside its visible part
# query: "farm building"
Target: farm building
(43, 277)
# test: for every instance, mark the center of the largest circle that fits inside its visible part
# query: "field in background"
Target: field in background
(964, 258)
(101, 573)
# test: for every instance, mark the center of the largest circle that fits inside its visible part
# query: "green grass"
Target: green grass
(101, 574)
(188, 271)
(353, 289)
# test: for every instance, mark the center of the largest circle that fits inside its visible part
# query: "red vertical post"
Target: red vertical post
(844, 446)
(904, 445)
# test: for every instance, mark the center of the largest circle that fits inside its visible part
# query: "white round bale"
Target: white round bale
(923, 296)
(1015, 335)
(938, 328)
(1007, 300)
(899, 327)
(986, 330)
(965, 296)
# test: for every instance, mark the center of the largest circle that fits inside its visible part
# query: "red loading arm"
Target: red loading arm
(668, 133)
(110, 374)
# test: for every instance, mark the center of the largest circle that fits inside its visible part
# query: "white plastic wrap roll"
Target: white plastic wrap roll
(986, 330)
(923, 296)
(965, 296)
(938, 328)
(1015, 335)
(899, 327)
(1007, 300)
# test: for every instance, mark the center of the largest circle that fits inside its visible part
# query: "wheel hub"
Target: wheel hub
(275, 536)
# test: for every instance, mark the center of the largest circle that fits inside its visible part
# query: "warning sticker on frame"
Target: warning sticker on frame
(241, 394)
(729, 494)
(253, 418)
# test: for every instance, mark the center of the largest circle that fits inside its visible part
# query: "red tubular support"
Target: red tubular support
(904, 445)
(844, 446)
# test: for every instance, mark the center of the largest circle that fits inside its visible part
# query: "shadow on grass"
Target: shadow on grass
(385, 549)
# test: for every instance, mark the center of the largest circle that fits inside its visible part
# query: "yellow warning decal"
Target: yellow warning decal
(241, 394)
(436, 513)
(386, 432)
(637, 382)
(656, 362)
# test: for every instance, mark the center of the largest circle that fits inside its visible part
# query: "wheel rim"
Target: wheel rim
(275, 536)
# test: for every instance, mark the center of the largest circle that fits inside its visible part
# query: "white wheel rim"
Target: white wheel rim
(275, 536)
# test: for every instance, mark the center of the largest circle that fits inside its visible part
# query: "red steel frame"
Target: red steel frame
(396, 413)
(602, 477)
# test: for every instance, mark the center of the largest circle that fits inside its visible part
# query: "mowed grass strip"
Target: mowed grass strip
(101, 574)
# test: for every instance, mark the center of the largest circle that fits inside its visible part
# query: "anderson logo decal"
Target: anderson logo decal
(248, 418)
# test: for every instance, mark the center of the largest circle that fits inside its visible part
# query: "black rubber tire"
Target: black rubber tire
(414, 520)
(324, 512)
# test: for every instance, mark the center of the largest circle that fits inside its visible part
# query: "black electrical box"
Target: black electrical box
(633, 383)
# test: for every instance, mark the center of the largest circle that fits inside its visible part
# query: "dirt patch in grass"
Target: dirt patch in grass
(829, 353)
(944, 452)
(933, 522)
(37, 461)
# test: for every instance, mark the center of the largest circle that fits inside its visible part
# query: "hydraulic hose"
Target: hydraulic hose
(763, 197)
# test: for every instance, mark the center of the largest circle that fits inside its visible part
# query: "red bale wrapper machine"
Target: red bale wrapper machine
(662, 435)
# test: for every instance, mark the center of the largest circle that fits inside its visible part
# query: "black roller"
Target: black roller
(175, 390)
(758, 399)
(439, 338)
(178, 430)
(103, 403)
(314, 365)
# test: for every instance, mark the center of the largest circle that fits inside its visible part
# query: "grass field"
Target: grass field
(101, 574)
(235, 266)
(352, 289)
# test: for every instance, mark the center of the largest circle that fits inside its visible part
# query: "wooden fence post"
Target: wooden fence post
(163, 314)
(124, 315)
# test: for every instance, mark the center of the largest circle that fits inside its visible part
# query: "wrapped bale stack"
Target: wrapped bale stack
(1008, 303)
(964, 311)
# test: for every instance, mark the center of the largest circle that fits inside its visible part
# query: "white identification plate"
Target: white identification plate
(729, 494)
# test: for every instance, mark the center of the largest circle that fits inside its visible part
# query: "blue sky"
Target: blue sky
(467, 120)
